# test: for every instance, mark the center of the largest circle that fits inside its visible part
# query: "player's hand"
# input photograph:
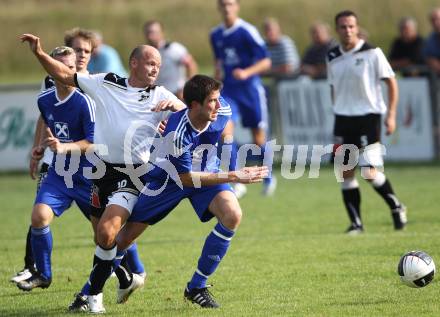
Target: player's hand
(53, 143)
(37, 152)
(240, 74)
(34, 42)
(390, 124)
(162, 126)
(165, 105)
(36, 155)
(253, 174)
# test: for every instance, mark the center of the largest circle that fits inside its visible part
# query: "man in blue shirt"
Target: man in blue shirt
(70, 117)
(188, 167)
(240, 56)
(105, 59)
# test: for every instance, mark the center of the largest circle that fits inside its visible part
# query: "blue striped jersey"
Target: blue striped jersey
(239, 46)
(193, 150)
(71, 119)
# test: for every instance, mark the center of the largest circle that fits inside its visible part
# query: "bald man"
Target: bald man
(127, 109)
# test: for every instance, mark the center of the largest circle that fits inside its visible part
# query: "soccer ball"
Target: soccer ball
(416, 269)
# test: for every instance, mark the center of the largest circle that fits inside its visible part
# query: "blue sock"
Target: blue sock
(86, 288)
(216, 245)
(133, 259)
(41, 240)
(119, 256)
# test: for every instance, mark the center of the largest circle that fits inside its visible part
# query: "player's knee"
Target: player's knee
(106, 235)
(41, 216)
(348, 174)
(232, 218)
(369, 174)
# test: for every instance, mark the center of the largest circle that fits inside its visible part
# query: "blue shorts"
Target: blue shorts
(152, 209)
(248, 102)
(54, 193)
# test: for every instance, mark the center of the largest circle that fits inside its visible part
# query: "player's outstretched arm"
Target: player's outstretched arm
(171, 105)
(54, 68)
(246, 175)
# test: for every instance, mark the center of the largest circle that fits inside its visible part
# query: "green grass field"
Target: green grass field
(289, 258)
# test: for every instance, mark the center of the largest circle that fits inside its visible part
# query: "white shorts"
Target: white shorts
(124, 199)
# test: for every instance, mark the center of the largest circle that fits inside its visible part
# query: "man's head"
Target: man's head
(153, 33)
(272, 30)
(347, 27)
(83, 43)
(408, 29)
(320, 33)
(201, 94)
(65, 55)
(434, 17)
(229, 10)
(144, 63)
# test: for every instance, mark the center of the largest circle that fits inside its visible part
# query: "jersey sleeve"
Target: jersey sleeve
(179, 52)
(383, 67)
(214, 47)
(330, 78)
(88, 118)
(256, 44)
(90, 84)
(42, 111)
(225, 108)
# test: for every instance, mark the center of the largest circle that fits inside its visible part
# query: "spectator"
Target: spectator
(177, 63)
(431, 49)
(313, 62)
(406, 50)
(282, 50)
(105, 59)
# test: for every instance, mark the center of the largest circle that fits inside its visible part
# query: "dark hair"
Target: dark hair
(345, 13)
(198, 88)
(72, 34)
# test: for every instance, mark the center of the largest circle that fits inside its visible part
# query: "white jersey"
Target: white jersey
(356, 76)
(125, 122)
(172, 73)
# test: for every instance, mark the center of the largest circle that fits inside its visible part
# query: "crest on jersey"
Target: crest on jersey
(359, 61)
(144, 95)
(61, 130)
(231, 56)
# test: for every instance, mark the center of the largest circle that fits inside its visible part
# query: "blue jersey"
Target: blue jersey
(193, 150)
(70, 120)
(239, 46)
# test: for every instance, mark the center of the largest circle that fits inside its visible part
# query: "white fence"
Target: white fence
(18, 114)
